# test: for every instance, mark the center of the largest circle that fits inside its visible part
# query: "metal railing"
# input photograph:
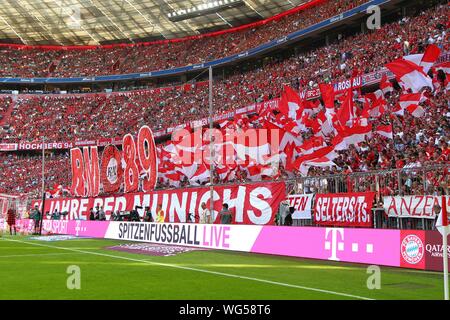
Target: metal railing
(395, 182)
(430, 180)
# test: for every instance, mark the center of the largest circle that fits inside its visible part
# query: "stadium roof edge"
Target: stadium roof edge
(251, 53)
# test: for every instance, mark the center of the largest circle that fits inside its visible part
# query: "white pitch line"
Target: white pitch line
(197, 270)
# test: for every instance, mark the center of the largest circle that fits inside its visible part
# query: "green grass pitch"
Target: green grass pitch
(31, 269)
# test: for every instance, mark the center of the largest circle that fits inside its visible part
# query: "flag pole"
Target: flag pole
(445, 257)
(444, 245)
(41, 218)
(211, 143)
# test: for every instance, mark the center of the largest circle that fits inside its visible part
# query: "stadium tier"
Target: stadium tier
(417, 141)
(31, 62)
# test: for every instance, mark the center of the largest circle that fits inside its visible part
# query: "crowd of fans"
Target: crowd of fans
(22, 173)
(418, 142)
(35, 62)
(5, 103)
(63, 117)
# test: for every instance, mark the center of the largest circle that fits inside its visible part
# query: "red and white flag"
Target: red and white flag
(350, 136)
(442, 220)
(325, 152)
(312, 107)
(411, 101)
(385, 131)
(430, 57)
(325, 123)
(346, 112)
(323, 162)
(374, 104)
(416, 110)
(291, 104)
(327, 92)
(385, 85)
(427, 59)
(200, 176)
(410, 74)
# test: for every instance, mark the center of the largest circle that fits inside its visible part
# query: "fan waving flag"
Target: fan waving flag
(385, 131)
(351, 136)
(410, 102)
(410, 74)
(322, 156)
(410, 99)
(429, 57)
(385, 85)
(346, 112)
(291, 104)
(327, 92)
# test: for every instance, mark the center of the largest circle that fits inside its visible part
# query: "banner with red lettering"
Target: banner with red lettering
(302, 204)
(413, 206)
(344, 209)
(255, 203)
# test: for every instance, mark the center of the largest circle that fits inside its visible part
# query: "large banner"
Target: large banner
(255, 203)
(371, 246)
(344, 209)
(302, 203)
(412, 206)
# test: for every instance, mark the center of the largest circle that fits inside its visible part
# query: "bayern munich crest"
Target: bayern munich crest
(412, 249)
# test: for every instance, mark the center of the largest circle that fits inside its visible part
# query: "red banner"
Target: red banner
(249, 203)
(434, 251)
(422, 250)
(344, 209)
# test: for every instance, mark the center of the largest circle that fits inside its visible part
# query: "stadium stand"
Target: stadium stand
(418, 141)
(32, 62)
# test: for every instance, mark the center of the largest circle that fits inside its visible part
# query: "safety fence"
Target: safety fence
(416, 184)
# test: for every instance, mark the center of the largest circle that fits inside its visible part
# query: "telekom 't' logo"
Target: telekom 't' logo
(77, 227)
(336, 244)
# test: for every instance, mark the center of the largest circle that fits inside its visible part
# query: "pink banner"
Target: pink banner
(369, 246)
(338, 244)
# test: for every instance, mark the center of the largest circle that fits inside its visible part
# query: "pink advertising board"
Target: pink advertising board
(368, 246)
(356, 245)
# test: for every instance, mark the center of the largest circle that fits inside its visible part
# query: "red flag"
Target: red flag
(410, 74)
(350, 136)
(429, 57)
(385, 131)
(410, 102)
(327, 92)
(385, 85)
(346, 112)
(291, 104)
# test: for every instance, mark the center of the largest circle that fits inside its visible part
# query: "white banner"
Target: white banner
(412, 206)
(302, 204)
